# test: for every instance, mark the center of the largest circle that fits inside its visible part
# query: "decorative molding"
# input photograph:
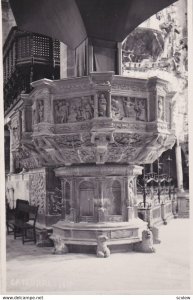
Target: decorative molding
(37, 188)
(94, 171)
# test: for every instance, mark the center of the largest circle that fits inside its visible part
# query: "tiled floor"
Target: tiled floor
(37, 270)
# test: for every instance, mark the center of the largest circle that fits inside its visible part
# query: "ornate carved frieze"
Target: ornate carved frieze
(86, 155)
(69, 157)
(69, 141)
(37, 188)
(117, 107)
(125, 139)
(54, 203)
(131, 126)
(131, 108)
(15, 128)
(71, 128)
(28, 157)
(141, 109)
(98, 147)
(123, 155)
(101, 125)
(73, 110)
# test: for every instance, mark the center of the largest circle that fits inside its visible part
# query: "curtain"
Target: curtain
(104, 59)
(81, 59)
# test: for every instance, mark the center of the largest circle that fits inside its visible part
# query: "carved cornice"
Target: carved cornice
(71, 85)
(95, 171)
(41, 92)
(43, 83)
(102, 79)
(129, 84)
(158, 84)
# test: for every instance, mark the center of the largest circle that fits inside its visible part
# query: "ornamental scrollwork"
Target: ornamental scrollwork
(37, 188)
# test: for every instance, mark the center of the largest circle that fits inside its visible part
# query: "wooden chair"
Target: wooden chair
(29, 226)
(21, 217)
(24, 222)
(19, 213)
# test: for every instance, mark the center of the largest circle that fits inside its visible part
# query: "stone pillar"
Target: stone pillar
(101, 209)
(109, 114)
(23, 121)
(63, 60)
(90, 58)
(12, 164)
(130, 194)
(73, 198)
(95, 106)
(126, 204)
(179, 167)
(119, 58)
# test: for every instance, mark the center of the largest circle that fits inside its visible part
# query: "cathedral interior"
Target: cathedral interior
(96, 119)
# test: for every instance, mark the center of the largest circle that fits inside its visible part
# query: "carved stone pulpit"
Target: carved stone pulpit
(86, 138)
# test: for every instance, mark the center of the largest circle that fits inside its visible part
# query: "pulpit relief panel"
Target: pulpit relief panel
(41, 106)
(73, 110)
(38, 112)
(16, 131)
(129, 108)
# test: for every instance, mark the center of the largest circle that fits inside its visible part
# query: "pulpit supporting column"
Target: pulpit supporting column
(179, 167)
(182, 197)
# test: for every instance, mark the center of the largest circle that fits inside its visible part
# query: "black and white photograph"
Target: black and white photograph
(95, 148)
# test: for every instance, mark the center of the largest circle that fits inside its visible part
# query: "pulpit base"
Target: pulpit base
(102, 238)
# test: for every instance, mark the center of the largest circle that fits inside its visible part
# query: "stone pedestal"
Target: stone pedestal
(89, 234)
